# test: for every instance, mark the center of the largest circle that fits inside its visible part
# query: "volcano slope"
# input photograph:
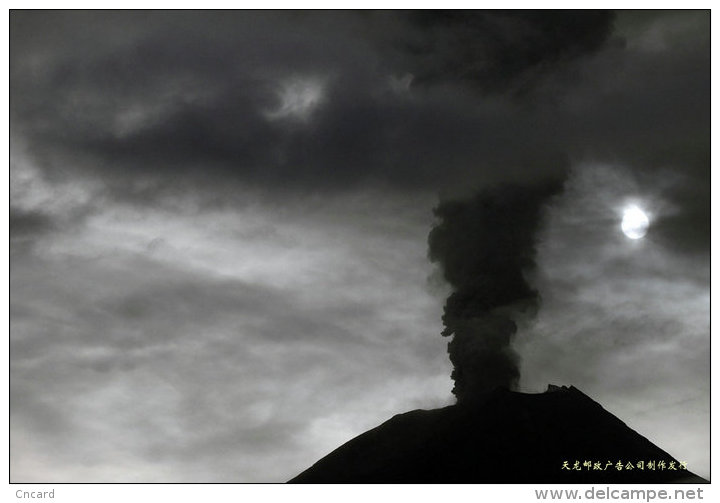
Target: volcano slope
(560, 436)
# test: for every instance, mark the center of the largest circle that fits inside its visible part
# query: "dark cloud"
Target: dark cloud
(168, 99)
(500, 51)
(27, 227)
(153, 103)
(28, 223)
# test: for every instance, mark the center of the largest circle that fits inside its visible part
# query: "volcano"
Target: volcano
(560, 436)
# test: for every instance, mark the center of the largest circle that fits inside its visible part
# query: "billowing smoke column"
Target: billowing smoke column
(486, 247)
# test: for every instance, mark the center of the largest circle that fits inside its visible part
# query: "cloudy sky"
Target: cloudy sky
(219, 223)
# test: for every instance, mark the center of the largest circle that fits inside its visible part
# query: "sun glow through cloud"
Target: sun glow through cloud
(635, 223)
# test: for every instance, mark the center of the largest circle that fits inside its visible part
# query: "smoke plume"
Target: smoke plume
(486, 247)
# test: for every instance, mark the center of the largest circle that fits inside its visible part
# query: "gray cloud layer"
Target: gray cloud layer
(168, 97)
(161, 98)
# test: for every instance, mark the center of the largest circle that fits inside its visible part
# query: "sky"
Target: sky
(233, 234)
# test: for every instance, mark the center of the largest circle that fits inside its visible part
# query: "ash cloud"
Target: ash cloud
(486, 247)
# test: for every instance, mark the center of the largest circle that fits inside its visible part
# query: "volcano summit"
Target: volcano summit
(560, 436)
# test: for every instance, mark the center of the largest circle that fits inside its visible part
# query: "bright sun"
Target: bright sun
(635, 223)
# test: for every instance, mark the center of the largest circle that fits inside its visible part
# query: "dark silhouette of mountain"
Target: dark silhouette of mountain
(503, 437)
